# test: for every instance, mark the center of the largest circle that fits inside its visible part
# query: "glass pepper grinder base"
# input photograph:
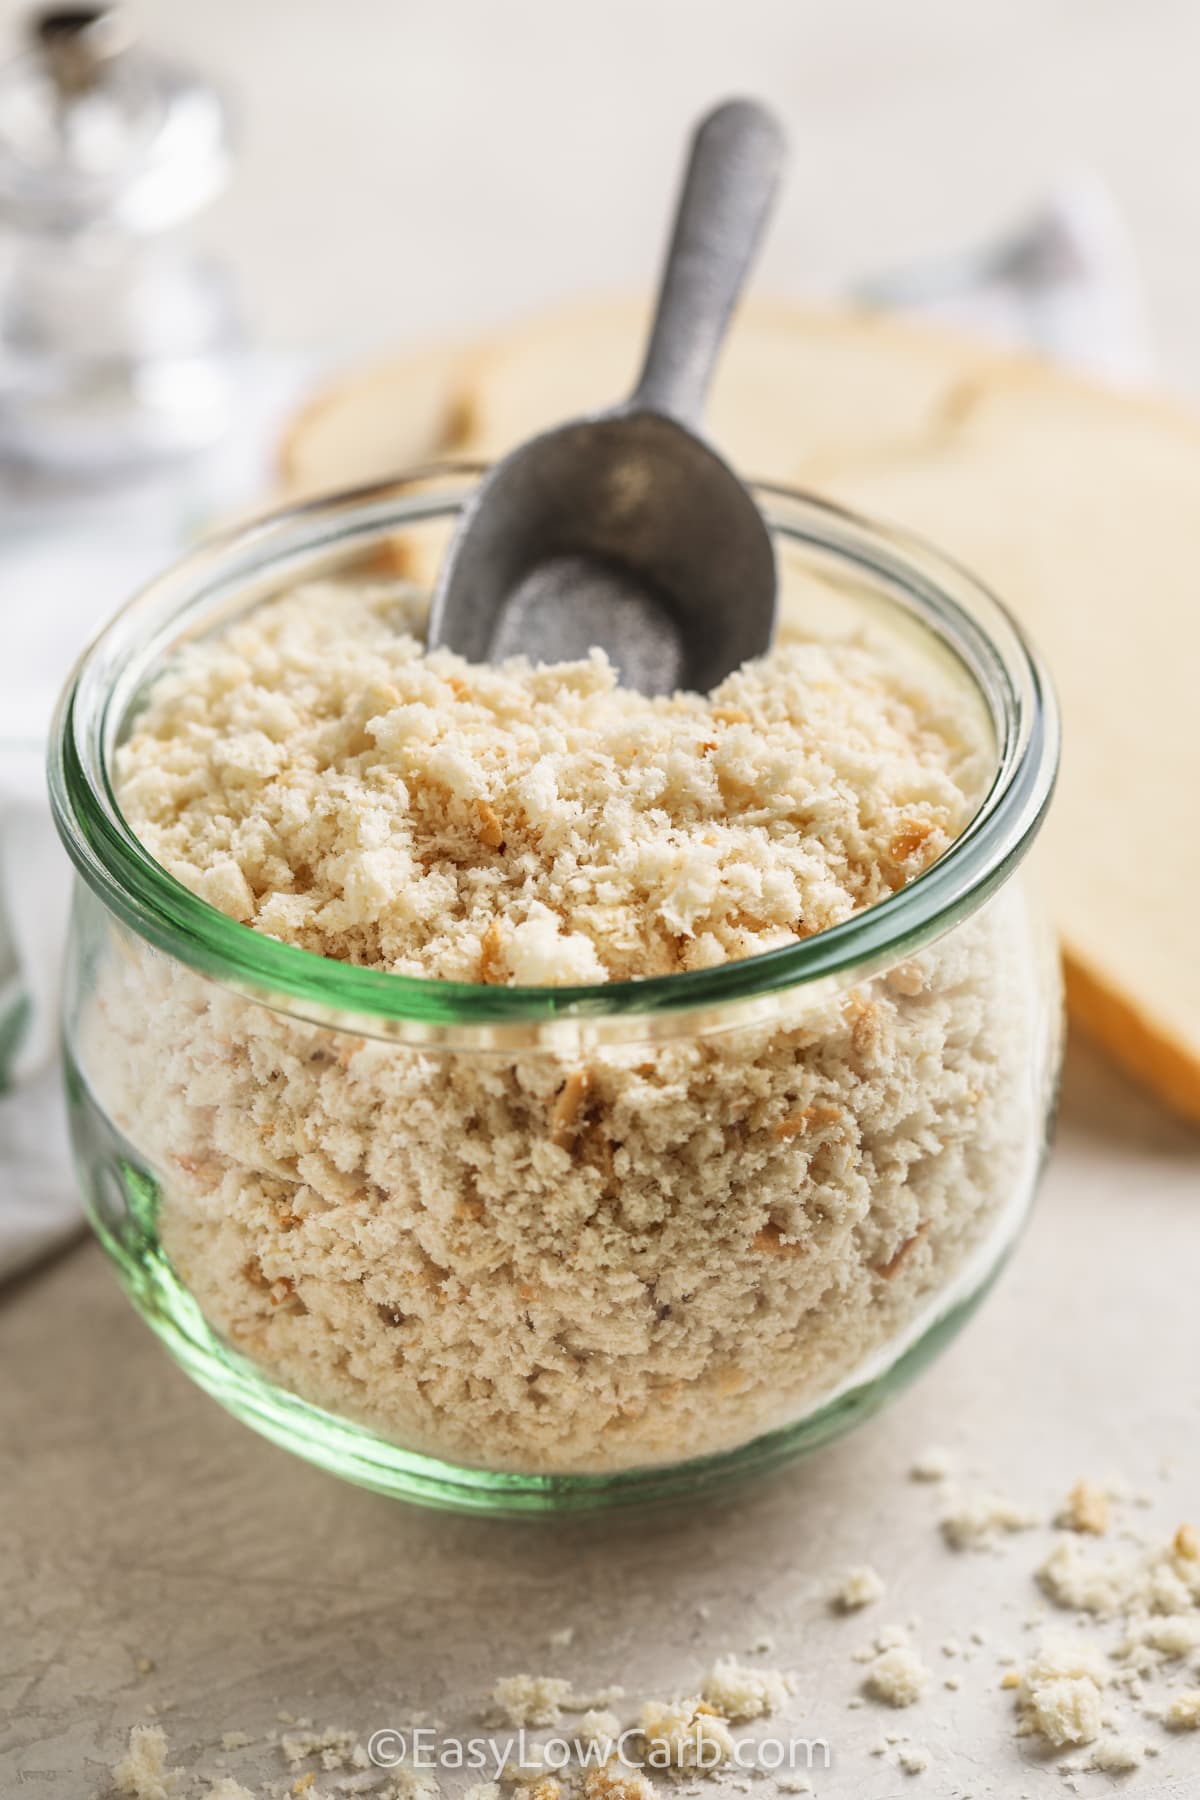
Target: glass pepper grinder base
(118, 345)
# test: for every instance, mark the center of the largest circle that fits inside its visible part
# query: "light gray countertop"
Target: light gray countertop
(138, 1521)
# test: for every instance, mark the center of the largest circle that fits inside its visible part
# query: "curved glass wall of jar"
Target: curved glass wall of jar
(514, 1248)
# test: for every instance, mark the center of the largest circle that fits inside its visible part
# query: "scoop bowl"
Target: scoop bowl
(626, 530)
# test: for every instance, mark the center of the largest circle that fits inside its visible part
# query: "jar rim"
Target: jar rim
(958, 611)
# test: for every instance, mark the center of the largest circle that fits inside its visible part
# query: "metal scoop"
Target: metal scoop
(625, 530)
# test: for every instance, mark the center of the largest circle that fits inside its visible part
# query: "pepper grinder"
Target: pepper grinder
(118, 345)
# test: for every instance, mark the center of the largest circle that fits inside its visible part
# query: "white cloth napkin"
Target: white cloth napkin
(1063, 283)
(66, 563)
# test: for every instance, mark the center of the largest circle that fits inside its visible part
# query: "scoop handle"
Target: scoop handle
(732, 174)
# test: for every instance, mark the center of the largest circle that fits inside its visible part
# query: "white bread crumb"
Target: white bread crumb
(897, 1676)
(1059, 1694)
(1183, 1714)
(914, 1759)
(935, 1463)
(1175, 1635)
(229, 1789)
(529, 1700)
(741, 1694)
(408, 1783)
(1084, 1583)
(976, 1521)
(527, 1771)
(1164, 1580)
(334, 1744)
(1117, 1755)
(142, 1773)
(1065, 1710)
(861, 1585)
(685, 1734)
(1061, 1654)
(598, 1726)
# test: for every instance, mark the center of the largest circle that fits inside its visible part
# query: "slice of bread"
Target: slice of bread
(1081, 508)
(793, 389)
(1083, 511)
(373, 422)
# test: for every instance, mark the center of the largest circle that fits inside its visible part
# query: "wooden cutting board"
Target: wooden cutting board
(1080, 506)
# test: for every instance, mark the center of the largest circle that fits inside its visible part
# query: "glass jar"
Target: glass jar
(521, 1249)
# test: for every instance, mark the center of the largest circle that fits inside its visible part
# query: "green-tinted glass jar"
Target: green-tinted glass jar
(537, 1249)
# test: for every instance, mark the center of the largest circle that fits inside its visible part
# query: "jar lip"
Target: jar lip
(959, 612)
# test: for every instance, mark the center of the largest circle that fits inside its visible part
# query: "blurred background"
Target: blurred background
(407, 167)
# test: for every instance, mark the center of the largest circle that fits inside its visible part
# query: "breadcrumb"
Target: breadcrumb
(142, 1773)
(1183, 1714)
(861, 1585)
(1059, 1694)
(740, 1693)
(598, 1726)
(684, 1734)
(530, 1700)
(976, 1521)
(1117, 1755)
(616, 1780)
(935, 1463)
(897, 1676)
(1086, 1508)
(914, 1759)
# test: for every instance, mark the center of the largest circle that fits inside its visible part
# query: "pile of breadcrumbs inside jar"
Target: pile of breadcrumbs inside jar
(532, 1259)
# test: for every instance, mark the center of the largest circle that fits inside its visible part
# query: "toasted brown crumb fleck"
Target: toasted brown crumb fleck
(1086, 1508)
(617, 1781)
(901, 1256)
(1187, 1543)
(564, 1119)
(770, 1241)
(491, 832)
(910, 838)
(797, 1124)
(489, 952)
